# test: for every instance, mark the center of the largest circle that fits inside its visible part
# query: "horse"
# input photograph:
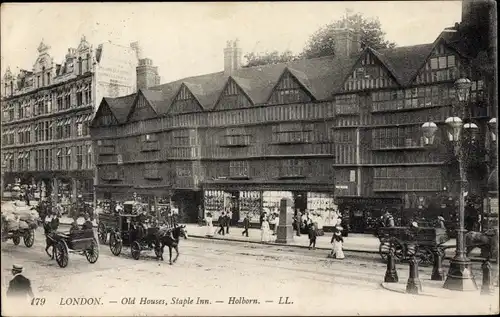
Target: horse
(49, 229)
(487, 241)
(170, 237)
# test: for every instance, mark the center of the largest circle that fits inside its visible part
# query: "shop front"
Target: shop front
(255, 199)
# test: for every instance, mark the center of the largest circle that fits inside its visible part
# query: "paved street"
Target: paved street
(218, 270)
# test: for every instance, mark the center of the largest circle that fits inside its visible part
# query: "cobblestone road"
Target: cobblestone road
(219, 270)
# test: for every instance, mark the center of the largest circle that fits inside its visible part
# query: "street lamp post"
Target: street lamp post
(460, 275)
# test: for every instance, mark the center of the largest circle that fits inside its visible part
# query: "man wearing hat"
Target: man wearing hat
(19, 286)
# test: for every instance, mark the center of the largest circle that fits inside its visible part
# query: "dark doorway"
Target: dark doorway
(300, 201)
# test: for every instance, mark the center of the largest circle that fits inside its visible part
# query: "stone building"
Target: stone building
(47, 111)
(340, 131)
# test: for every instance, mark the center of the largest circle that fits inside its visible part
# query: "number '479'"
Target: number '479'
(36, 301)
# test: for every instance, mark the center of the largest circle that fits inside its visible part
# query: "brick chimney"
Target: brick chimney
(232, 57)
(147, 74)
(347, 42)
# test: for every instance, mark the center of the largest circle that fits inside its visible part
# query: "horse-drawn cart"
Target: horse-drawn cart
(106, 224)
(18, 221)
(78, 241)
(423, 243)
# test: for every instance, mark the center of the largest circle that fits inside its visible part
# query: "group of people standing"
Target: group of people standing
(269, 225)
(224, 221)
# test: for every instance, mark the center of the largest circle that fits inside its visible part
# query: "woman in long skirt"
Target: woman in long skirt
(337, 242)
(265, 231)
(210, 226)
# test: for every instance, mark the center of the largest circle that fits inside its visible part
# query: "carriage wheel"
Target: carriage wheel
(103, 235)
(425, 257)
(383, 249)
(61, 251)
(135, 248)
(399, 252)
(92, 253)
(16, 239)
(29, 238)
(115, 244)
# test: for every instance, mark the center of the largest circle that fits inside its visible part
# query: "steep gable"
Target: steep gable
(141, 108)
(369, 72)
(289, 89)
(441, 64)
(104, 116)
(233, 96)
(185, 101)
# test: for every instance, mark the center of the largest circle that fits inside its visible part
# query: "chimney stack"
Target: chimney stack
(347, 42)
(147, 74)
(232, 57)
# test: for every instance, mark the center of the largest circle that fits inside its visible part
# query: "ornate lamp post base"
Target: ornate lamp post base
(460, 276)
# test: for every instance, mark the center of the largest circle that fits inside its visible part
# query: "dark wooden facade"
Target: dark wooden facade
(364, 140)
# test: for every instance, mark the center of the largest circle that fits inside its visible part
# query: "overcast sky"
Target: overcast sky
(186, 39)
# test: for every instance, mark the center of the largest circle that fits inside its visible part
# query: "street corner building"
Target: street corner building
(47, 111)
(336, 132)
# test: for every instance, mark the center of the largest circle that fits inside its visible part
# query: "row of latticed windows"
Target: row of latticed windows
(48, 103)
(397, 137)
(237, 169)
(421, 97)
(58, 158)
(407, 179)
(48, 130)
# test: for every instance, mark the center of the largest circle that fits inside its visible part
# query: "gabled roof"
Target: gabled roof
(120, 106)
(154, 97)
(404, 62)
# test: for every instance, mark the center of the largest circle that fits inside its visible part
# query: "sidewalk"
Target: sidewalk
(355, 242)
(435, 288)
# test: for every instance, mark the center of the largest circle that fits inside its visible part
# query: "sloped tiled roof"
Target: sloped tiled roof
(404, 62)
(154, 97)
(120, 106)
(323, 77)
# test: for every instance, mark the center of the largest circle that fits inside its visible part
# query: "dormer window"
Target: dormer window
(48, 78)
(43, 76)
(11, 87)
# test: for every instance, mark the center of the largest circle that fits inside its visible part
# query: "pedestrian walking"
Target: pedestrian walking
(337, 242)
(246, 225)
(276, 223)
(19, 286)
(209, 225)
(229, 218)
(312, 236)
(297, 222)
(222, 221)
(265, 235)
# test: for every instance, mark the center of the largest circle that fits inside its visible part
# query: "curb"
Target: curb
(276, 244)
(475, 259)
(404, 291)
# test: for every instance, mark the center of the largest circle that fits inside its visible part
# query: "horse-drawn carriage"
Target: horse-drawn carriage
(423, 243)
(18, 221)
(82, 242)
(132, 232)
(133, 227)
